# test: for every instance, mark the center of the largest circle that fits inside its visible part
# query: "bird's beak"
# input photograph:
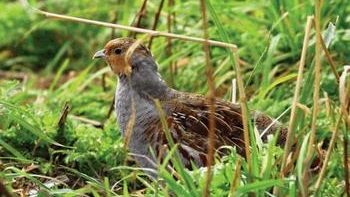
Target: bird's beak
(99, 54)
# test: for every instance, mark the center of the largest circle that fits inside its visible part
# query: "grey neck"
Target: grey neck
(135, 99)
(138, 93)
(151, 86)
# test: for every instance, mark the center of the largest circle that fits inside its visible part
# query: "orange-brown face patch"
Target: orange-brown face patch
(118, 54)
(120, 62)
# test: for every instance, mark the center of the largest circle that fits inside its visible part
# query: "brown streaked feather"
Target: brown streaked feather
(188, 119)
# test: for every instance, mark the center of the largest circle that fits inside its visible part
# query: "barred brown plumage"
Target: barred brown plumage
(186, 114)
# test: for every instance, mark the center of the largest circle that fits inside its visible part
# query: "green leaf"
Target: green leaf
(278, 81)
(13, 150)
(260, 185)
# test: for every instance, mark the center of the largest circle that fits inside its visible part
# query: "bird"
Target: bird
(186, 115)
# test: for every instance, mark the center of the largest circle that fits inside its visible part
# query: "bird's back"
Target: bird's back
(188, 116)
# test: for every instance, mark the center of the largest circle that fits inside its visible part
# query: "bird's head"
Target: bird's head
(123, 55)
(134, 65)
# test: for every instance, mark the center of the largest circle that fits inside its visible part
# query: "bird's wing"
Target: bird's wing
(187, 118)
(192, 113)
(228, 119)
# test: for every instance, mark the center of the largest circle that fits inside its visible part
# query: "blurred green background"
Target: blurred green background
(45, 63)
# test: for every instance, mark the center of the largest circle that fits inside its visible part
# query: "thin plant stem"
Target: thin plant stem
(94, 123)
(170, 19)
(344, 92)
(130, 124)
(63, 116)
(155, 22)
(236, 177)
(244, 109)
(139, 16)
(316, 92)
(129, 28)
(328, 155)
(291, 125)
(330, 59)
(346, 161)
(114, 20)
(111, 108)
(211, 98)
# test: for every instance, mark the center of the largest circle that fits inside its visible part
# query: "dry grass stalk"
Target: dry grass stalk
(128, 28)
(344, 94)
(330, 60)
(316, 92)
(155, 22)
(346, 163)
(291, 125)
(236, 177)
(304, 108)
(234, 91)
(244, 108)
(139, 16)
(94, 123)
(63, 116)
(170, 19)
(328, 155)
(132, 119)
(327, 102)
(130, 124)
(111, 108)
(13, 75)
(114, 20)
(211, 97)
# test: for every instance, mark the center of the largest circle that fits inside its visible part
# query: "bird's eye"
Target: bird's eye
(118, 51)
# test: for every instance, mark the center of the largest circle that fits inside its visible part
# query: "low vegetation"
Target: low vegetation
(58, 135)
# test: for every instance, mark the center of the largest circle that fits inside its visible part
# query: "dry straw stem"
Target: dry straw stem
(111, 108)
(130, 124)
(87, 121)
(140, 14)
(170, 22)
(328, 155)
(63, 116)
(211, 97)
(344, 95)
(304, 108)
(297, 92)
(244, 108)
(330, 60)
(234, 91)
(155, 22)
(128, 28)
(316, 92)
(132, 118)
(236, 177)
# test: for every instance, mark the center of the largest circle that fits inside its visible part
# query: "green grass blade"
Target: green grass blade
(260, 185)
(13, 151)
(59, 74)
(277, 82)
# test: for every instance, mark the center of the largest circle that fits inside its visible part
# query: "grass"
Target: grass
(46, 64)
